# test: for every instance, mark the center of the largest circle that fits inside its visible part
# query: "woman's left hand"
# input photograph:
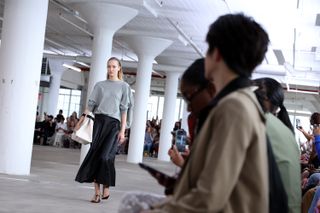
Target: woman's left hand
(121, 137)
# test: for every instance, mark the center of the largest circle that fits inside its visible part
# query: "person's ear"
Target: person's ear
(217, 55)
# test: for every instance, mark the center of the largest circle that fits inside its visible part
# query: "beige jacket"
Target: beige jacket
(227, 169)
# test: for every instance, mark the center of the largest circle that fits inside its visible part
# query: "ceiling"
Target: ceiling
(293, 26)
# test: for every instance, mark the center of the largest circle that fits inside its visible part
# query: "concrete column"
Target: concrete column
(84, 93)
(20, 66)
(185, 114)
(57, 71)
(146, 48)
(104, 19)
(168, 118)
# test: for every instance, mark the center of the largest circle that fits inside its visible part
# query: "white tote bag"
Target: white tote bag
(84, 134)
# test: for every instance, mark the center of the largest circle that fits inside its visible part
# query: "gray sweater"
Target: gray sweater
(112, 98)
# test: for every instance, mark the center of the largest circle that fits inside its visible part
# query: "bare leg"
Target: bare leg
(97, 188)
(96, 197)
(105, 192)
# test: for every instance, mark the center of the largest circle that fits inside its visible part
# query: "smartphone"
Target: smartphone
(152, 170)
(181, 140)
(298, 124)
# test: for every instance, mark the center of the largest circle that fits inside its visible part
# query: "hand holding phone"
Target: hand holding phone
(181, 140)
(298, 124)
(162, 178)
(175, 156)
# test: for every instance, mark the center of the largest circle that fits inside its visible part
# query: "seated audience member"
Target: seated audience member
(307, 199)
(71, 124)
(314, 178)
(148, 141)
(280, 132)
(49, 127)
(38, 129)
(210, 181)
(312, 155)
(205, 183)
(61, 131)
(316, 197)
(271, 97)
(197, 93)
(123, 147)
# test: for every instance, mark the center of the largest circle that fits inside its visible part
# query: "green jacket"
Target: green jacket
(287, 154)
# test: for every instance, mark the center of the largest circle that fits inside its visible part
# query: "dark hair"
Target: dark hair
(194, 75)
(241, 41)
(315, 118)
(272, 91)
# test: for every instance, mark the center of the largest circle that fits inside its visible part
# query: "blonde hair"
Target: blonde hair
(120, 73)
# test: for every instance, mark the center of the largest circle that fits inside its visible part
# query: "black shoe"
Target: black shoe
(105, 198)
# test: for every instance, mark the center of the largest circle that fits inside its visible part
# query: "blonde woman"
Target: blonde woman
(110, 101)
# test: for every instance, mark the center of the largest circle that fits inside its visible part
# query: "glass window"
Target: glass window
(69, 101)
(152, 107)
(156, 104)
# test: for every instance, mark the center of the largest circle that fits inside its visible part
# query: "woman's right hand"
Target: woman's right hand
(86, 111)
(77, 126)
(175, 156)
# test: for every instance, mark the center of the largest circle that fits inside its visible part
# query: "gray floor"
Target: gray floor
(51, 187)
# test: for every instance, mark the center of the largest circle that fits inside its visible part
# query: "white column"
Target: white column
(104, 19)
(84, 93)
(142, 88)
(168, 118)
(20, 67)
(185, 114)
(146, 48)
(101, 51)
(57, 71)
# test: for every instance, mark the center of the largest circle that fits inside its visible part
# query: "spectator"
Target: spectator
(197, 93)
(148, 141)
(280, 132)
(49, 127)
(61, 131)
(210, 180)
(271, 97)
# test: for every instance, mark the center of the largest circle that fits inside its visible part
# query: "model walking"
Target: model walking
(110, 101)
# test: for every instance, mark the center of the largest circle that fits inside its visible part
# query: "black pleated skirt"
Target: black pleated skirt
(98, 165)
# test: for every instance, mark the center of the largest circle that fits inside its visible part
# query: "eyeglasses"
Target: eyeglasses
(188, 99)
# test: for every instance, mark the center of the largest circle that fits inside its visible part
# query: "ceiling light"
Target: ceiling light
(54, 43)
(49, 52)
(299, 111)
(72, 67)
(299, 91)
(183, 40)
(303, 91)
(82, 63)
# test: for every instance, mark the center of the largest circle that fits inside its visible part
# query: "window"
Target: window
(69, 101)
(156, 104)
